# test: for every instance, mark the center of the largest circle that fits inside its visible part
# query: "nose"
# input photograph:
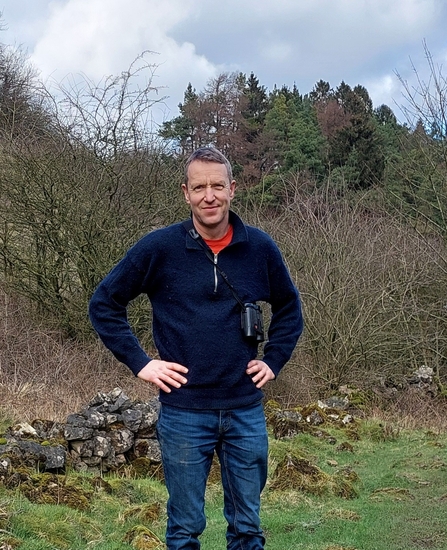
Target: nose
(209, 193)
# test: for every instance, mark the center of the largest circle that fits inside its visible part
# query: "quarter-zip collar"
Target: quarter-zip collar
(239, 232)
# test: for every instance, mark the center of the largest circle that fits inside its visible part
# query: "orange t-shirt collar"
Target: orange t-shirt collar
(217, 245)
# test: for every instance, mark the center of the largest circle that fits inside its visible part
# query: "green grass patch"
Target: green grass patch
(5, 420)
(398, 500)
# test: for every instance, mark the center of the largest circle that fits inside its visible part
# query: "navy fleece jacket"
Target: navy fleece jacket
(196, 319)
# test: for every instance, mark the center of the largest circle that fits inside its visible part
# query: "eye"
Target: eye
(198, 188)
(218, 187)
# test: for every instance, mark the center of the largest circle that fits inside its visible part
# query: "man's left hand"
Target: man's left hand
(260, 372)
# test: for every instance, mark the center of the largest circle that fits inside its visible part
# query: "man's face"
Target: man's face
(209, 193)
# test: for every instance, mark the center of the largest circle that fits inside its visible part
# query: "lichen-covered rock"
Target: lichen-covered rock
(84, 448)
(315, 418)
(287, 423)
(132, 419)
(148, 448)
(5, 467)
(102, 446)
(150, 411)
(76, 420)
(34, 455)
(72, 432)
(122, 440)
(335, 402)
(95, 419)
(112, 419)
(108, 429)
(22, 430)
(48, 430)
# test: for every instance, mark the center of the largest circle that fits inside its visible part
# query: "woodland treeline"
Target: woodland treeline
(354, 197)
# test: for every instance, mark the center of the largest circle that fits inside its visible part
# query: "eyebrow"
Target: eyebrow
(196, 183)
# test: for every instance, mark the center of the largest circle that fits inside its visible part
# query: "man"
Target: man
(199, 275)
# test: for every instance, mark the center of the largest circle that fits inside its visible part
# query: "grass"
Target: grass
(399, 478)
(401, 502)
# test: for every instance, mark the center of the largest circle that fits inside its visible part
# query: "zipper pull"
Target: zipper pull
(215, 273)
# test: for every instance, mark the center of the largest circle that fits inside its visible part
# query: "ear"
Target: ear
(186, 193)
(232, 189)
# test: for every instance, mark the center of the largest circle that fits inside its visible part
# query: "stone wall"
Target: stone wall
(110, 432)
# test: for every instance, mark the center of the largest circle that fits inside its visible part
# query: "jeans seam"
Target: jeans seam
(236, 530)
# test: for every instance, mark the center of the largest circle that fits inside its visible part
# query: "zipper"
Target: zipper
(215, 273)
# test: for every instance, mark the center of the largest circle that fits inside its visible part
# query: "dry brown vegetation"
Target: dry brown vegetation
(373, 291)
(372, 294)
(44, 375)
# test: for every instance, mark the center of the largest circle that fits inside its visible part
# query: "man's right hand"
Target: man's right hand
(163, 374)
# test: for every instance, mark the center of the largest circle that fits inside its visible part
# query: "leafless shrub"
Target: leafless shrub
(372, 290)
(44, 375)
(426, 99)
(74, 198)
(411, 409)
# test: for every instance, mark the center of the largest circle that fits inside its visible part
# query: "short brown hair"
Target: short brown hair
(209, 154)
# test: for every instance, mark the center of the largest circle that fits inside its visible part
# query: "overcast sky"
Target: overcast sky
(282, 41)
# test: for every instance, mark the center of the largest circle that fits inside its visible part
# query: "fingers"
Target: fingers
(260, 373)
(164, 374)
(167, 375)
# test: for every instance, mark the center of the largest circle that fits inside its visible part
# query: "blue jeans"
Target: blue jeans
(188, 439)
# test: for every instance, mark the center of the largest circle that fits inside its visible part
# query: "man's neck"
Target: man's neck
(210, 233)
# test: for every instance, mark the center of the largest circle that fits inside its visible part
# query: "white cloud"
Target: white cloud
(290, 41)
(382, 89)
(277, 51)
(102, 37)
(281, 41)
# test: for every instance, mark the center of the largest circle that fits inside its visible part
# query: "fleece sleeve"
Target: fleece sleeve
(286, 324)
(108, 313)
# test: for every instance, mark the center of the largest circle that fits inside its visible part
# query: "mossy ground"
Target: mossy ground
(382, 490)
